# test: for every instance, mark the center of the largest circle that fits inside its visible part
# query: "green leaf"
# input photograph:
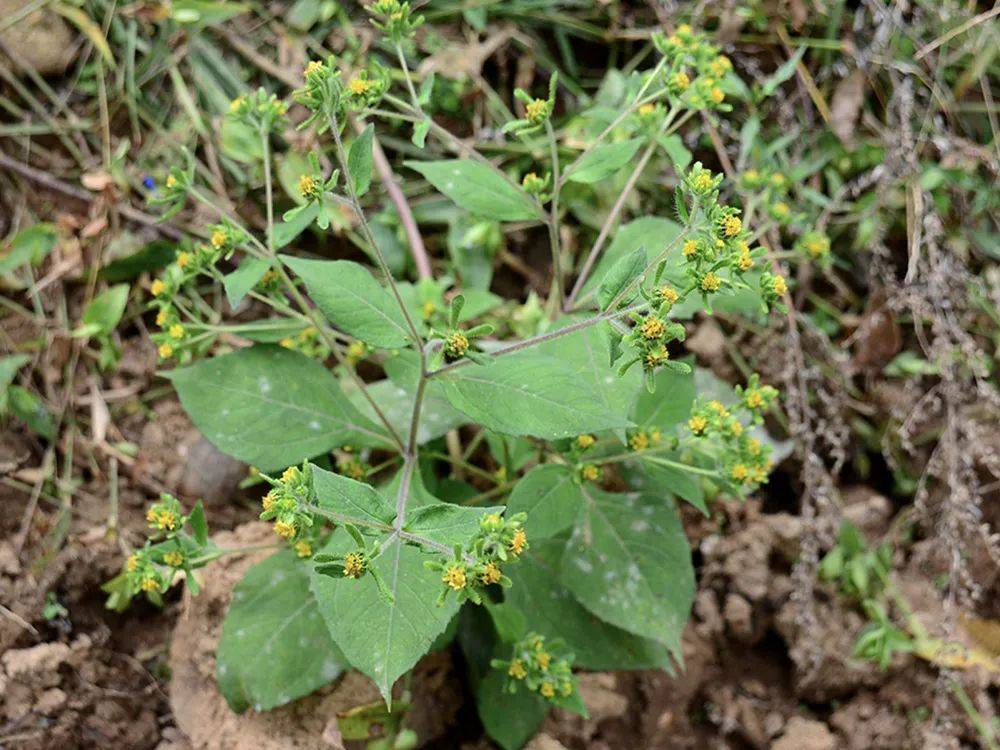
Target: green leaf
(240, 141)
(359, 160)
(104, 311)
(551, 610)
(353, 300)
(477, 188)
(629, 563)
(31, 410)
(619, 276)
(446, 523)
(204, 12)
(380, 638)
(270, 407)
(670, 404)
(551, 497)
(275, 646)
(676, 150)
(8, 369)
(30, 245)
(286, 231)
(672, 480)
(151, 257)
(782, 74)
(355, 502)
(651, 232)
(528, 393)
(510, 719)
(604, 160)
(239, 282)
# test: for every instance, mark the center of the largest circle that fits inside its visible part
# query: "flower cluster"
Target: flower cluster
(536, 186)
(644, 439)
(285, 505)
(314, 188)
(354, 563)
(536, 111)
(259, 110)
(648, 339)
(456, 343)
(308, 342)
(395, 19)
(152, 568)
(540, 668)
(497, 542)
(367, 87)
(322, 94)
(771, 187)
(694, 70)
(172, 194)
(745, 460)
(815, 246)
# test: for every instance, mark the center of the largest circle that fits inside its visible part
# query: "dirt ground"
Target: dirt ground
(756, 674)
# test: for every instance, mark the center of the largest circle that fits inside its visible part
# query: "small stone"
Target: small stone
(805, 734)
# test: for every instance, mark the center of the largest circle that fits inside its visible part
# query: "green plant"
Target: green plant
(581, 427)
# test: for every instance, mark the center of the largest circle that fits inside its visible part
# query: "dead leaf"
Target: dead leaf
(100, 416)
(845, 107)
(455, 60)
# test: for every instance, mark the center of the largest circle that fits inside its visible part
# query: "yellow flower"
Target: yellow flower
(456, 344)
(132, 564)
(268, 501)
(718, 408)
(652, 327)
(754, 399)
(654, 436)
(235, 104)
(176, 331)
(290, 474)
(731, 226)
(639, 441)
(428, 309)
(744, 262)
(454, 576)
(719, 66)
(287, 343)
(668, 294)
(684, 29)
(780, 210)
(778, 285)
(585, 441)
(739, 472)
(697, 424)
(354, 564)
(517, 670)
(519, 543)
(547, 690)
(157, 287)
(173, 558)
(284, 529)
(218, 239)
(647, 109)
(690, 248)
(161, 316)
(753, 447)
(358, 86)
(536, 109)
(303, 548)
(710, 282)
(171, 181)
(590, 472)
(149, 584)
(703, 181)
(542, 659)
(183, 260)
(657, 356)
(736, 428)
(306, 185)
(680, 80)
(312, 67)
(777, 180)
(491, 574)
(717, 95)
(166, 351)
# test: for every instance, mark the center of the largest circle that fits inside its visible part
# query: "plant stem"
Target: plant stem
(556, 295)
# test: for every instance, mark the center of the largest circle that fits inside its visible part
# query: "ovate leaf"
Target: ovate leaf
(353, 502)
(551, 497)
(446, 523)
(103, 312)
(509, 719)
(669, 404)
(619, 276)
(275, 646)
(477, 188)
(31, 410)
(551, 610)
(359, 160)
(353, 300)
(628, 562)
(237, 283)
(270, 406)
(528, 394)
(603, 161)
(382, 638)
(30, 245)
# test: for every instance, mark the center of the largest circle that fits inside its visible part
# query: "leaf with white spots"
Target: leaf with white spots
(380, 638)
(629, 563)
(275, 646)
(550, 609)
(478, 189)
(271, 407)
